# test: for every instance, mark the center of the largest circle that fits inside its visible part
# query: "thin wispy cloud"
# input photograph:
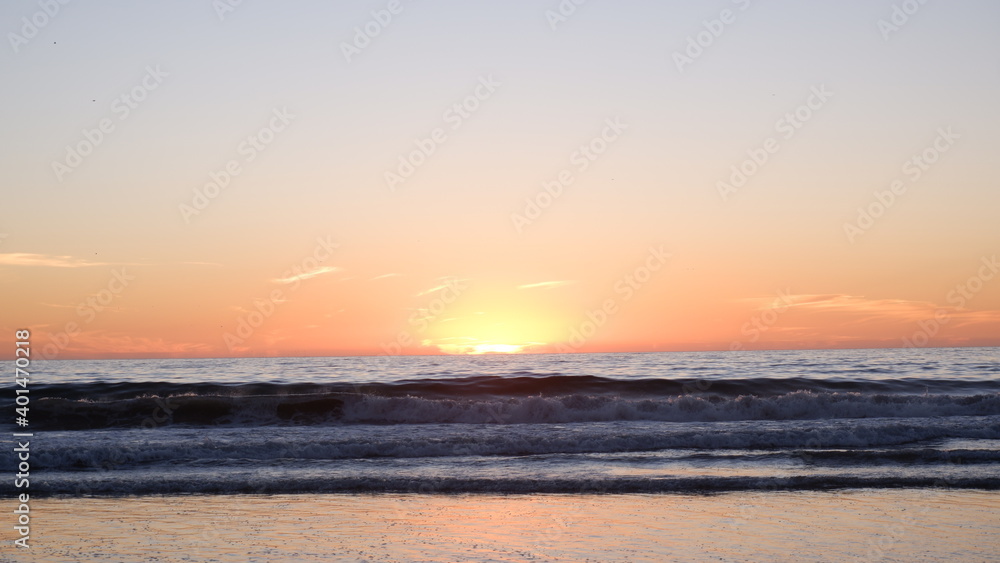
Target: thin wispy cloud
(431, 290)
(854, 309)
(58, 306)
(546, 285)
(838, 303)
(383, 276)
(445, 282)
(97, 341)
(310, 274)
(57, 261)
(859, 304)
(46, 260)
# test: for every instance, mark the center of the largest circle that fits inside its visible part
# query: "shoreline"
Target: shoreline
(426, 489)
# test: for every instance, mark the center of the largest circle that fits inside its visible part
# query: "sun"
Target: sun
(497, 349)
(468, 345)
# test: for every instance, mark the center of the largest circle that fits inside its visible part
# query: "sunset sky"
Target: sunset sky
(328, 178)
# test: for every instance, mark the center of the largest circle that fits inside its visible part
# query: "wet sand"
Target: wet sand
(854, 525)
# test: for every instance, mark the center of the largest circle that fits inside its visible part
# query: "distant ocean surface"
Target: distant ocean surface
(587, 423)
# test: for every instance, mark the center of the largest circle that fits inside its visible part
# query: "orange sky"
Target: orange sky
(203, 309)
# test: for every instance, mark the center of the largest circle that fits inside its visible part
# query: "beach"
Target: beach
(847, 525)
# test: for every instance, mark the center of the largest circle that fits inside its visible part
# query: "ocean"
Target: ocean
(649, 423)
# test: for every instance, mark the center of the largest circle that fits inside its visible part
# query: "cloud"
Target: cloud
(51, 261)
(841, 303)
(57, 306)
(546, 285)
(444, 282)
(851, 312)
(310, 274)
(46, 260)
(102, 343)
(383, 276)
(836, 303)
(431, 290)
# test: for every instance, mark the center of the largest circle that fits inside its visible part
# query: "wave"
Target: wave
(816, 442)
(504, 400)
(525, 383)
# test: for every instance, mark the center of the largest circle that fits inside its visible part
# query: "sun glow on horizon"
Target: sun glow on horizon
(472, 346)
(497, 323)
(496, 349)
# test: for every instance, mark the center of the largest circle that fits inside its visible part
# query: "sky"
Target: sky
(224, 178)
